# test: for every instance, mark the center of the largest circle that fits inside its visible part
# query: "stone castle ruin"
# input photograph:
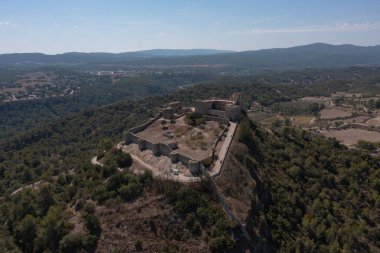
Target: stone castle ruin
(222, 108)
(160, 134)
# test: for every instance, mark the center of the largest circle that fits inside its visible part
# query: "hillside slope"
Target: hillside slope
(298, 192)
(294, 190)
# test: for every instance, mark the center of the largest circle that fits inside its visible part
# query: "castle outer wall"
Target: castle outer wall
(220, 110)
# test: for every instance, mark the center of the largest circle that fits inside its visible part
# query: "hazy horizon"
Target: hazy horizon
(55, 27)
(148, 49)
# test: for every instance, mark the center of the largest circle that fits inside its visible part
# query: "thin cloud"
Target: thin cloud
(7, 23)
(265, 20)
(342, 27)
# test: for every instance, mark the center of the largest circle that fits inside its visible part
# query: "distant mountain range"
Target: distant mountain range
(78, 57)
(316, 55)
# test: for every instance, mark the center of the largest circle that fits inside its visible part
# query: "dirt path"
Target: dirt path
(33, 186)
(95, 161)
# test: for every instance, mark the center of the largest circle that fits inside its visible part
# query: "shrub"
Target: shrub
(138, 245)
(124, 160)
(168, 248)
(105, 144)
(118, 158)
(130, 191)
(194, 119)
(207, 162)
(221, 244)
(71, 243)
(91, 221)
(366, 145)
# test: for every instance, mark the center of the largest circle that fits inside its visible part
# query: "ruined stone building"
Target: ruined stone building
(222, 108)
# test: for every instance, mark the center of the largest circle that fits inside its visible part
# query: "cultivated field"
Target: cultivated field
(316, 99)
(303, 121)
(374, 122)
(351, 136)
(333, 113)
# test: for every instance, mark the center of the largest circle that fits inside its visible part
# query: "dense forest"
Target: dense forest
(312, 193)
(100, 91)
(308, 193)
(94, 92)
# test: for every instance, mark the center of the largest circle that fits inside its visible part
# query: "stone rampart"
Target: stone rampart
(145, 125)
(184, 159)
(194, 166)
(221, 120)
(218, 113)
(220, 136)
(163, 149)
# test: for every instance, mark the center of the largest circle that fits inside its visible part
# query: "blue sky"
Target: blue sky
(56, 26)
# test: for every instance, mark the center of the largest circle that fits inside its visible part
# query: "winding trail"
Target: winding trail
(34, 186)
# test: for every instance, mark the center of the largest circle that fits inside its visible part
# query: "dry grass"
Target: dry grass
(148, 219)
(301, 120)
(269, 121)
(236, 182)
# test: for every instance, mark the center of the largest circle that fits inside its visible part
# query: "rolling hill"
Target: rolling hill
(316, 55)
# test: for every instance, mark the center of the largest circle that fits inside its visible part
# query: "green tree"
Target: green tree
(52, 229)
(25, 233)
(123, 160)
(44, 199)
(105, 144)
(138, 245)
(71, 243)
(91, 221)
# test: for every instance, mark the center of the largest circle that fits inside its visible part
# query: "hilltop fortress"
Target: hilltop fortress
(222, 108)
(191, 136)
